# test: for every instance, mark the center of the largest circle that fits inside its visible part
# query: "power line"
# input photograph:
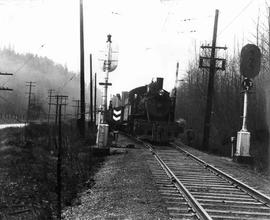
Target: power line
(249, 3)
(25, 62)
(65, 83)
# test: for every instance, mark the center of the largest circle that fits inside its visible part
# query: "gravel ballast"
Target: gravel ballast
(124, 189)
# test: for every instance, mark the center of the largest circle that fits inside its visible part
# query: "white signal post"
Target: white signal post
(103, 127)
(107, 67)
(243, 136)
(249, 67)
(244, 126)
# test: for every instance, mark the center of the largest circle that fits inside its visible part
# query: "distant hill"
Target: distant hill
(43, 71)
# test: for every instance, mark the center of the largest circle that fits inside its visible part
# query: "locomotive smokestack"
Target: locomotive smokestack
(159, 83)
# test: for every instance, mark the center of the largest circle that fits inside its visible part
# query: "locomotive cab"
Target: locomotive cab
(147, 113)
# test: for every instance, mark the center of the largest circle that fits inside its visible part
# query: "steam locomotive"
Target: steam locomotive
(146, 112)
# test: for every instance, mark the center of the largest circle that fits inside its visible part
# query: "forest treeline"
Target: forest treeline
(228, 103)
(45, 73)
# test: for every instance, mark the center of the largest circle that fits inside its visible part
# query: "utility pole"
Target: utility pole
(212, 70)
(269, 34)
(59, 101)
(95, 101)
(50, 103)
(35, 106)
(65, 106)
(59, 165)
(175, 91)
(30, 85)
(56, 109)
(91, 94)
(77, 108)
(82, 119)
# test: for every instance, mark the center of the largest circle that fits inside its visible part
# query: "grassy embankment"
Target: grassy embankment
(28, 169)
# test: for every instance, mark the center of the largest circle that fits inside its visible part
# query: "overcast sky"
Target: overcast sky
(150, 35)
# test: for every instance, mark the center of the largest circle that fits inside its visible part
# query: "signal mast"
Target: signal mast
(109, 65)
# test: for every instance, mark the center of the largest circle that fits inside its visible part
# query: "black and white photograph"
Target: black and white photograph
(134, 109)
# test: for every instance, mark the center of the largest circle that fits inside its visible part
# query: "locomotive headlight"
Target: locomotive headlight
(161, 92)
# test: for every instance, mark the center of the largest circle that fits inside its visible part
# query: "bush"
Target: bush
(32, 166)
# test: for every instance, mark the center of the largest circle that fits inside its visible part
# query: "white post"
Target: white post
(244, 126)
(103, 128)
(107, 69)
(243, 136)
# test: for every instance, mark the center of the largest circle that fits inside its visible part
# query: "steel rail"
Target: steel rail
(199, 210)
(252, 192)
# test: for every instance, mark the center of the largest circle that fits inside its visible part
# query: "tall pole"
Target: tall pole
(244, 125)
(50, 103)
(91, 92)
(77, 108)
(82, 119)
(59, 164)
(107, 69)
(175, 91)
(30, 84)
(65, 107)
(95, 100)
(269, 34)
(208, 112)
(56, 109)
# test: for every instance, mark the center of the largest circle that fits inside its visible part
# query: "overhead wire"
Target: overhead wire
(25, 62)
(65, 83)
(241, 12)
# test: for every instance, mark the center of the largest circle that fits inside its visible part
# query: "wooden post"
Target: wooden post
(56, 109)
(50, 103)
(208, 112)
(59, 166)
(95, 100)
(82, 119)
(91, 93)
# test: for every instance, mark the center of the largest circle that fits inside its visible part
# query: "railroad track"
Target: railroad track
(193, 189)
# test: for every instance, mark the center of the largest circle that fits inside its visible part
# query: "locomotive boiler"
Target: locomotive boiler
(148, 113)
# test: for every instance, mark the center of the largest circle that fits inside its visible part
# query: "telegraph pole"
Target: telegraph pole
(77, 108)
(208, 112)
(175, 91)
(65, 106)
(82, 119)
(269, 34)
(59, 101)
(95, 101)
(56, 108)
(91, 93)
(50, 103)
(212, 70)
(30, 85)
(59, 165)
